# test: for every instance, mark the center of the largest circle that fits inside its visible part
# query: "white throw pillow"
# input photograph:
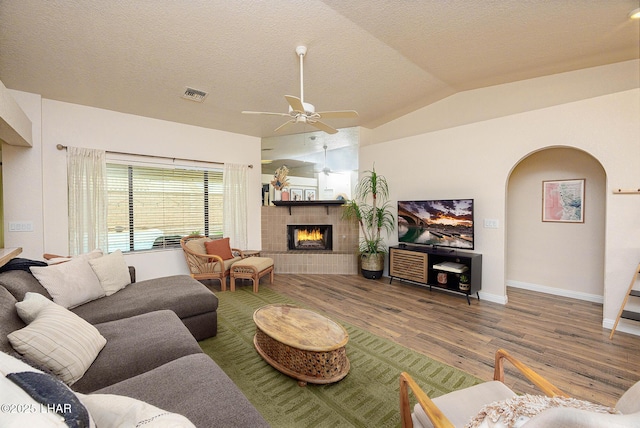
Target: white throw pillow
(20, 409)
(31, 306)
(118, 411)
(112, 272)
(70, 284)
(59, 340)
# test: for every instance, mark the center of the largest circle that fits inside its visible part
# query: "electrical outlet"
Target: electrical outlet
(490, 223)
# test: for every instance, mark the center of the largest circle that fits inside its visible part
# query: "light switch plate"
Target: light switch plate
(20, 226)
(491, 223)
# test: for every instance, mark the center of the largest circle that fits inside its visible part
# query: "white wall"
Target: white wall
(475, 161)
(22, 182)
(43, 169)
(560, 258)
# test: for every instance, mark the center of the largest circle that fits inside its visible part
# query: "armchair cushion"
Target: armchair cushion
(216, 267)
(462, 405)
(197, 245)
(219, 247)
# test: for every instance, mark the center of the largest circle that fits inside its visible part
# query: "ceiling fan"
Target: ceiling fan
(325, 169)
(301, 112)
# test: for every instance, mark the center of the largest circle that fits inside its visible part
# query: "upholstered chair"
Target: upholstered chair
(458, 408)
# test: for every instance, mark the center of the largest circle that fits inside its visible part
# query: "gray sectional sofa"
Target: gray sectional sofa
(151, 353)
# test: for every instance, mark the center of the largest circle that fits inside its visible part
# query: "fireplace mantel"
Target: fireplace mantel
(326, 203)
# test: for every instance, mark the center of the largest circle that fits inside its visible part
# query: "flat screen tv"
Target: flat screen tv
(440, 223)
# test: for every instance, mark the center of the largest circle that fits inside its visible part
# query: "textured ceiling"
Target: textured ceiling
(383, 58)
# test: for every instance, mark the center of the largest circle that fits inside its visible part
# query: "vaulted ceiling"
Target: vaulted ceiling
(383, 58)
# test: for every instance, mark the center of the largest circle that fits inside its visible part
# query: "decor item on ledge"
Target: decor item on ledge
(563, 201)
(296, 194)
(280, 181)
(372, 210)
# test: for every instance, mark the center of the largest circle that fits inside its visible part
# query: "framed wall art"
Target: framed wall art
(296, 194)
(309, 194)
(563, 201)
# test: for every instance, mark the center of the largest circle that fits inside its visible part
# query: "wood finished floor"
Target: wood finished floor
(559, 337)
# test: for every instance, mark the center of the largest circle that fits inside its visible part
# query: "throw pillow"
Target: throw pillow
(31, 306)
(58, 340)
(219, 247)
(112, 272)
(32, 398)
(118, 411)
(70, 284)
(515, 412)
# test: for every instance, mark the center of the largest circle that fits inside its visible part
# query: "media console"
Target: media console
(437, 267)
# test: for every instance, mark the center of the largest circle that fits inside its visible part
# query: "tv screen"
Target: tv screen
(441, 223)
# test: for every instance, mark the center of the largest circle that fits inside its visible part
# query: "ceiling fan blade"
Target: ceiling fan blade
(338, 114)
(284, 125)
(323, 126)
(267, 113)
(295, 103)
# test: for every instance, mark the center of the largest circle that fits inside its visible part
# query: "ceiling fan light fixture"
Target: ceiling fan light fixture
(301, 112)
(635, 14)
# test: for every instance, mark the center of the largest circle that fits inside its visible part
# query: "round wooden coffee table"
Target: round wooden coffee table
(301, 343)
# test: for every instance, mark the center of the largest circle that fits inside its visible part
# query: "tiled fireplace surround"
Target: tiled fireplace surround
(342, 260)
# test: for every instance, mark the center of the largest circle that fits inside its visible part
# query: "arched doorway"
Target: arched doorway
(553, 257)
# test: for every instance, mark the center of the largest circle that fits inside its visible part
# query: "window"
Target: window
(154, 206)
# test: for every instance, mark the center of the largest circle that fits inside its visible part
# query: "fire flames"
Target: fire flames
(309, 235)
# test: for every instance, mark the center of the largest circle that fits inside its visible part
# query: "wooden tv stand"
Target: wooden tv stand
(436, 267)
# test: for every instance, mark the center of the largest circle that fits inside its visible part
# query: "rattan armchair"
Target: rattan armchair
(203, 266)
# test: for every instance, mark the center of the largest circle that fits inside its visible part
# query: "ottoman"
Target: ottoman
(252, 268)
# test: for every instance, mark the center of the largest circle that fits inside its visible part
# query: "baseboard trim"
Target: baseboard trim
(556, 291)
(495, 298)
(624, 326)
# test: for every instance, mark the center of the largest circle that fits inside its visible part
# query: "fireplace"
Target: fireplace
(310, 237)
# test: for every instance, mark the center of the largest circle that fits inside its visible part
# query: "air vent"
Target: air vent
(194, 95)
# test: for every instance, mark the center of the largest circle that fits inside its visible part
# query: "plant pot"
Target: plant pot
(372, 265)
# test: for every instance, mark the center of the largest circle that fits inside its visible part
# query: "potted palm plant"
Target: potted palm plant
(370, 206)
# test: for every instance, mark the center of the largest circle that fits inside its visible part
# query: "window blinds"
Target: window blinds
(154, 206)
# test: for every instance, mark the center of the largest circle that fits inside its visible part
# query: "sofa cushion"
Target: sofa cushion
(180, 293)
(19, 283)
(193, 381)
(58, 340)
(112, 272)
(9, 319)
(70, 284)
(129, 341)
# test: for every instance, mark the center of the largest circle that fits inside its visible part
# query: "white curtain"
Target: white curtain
(87, 182)
(235, 205)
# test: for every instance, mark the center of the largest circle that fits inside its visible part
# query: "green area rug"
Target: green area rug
(367, 397)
